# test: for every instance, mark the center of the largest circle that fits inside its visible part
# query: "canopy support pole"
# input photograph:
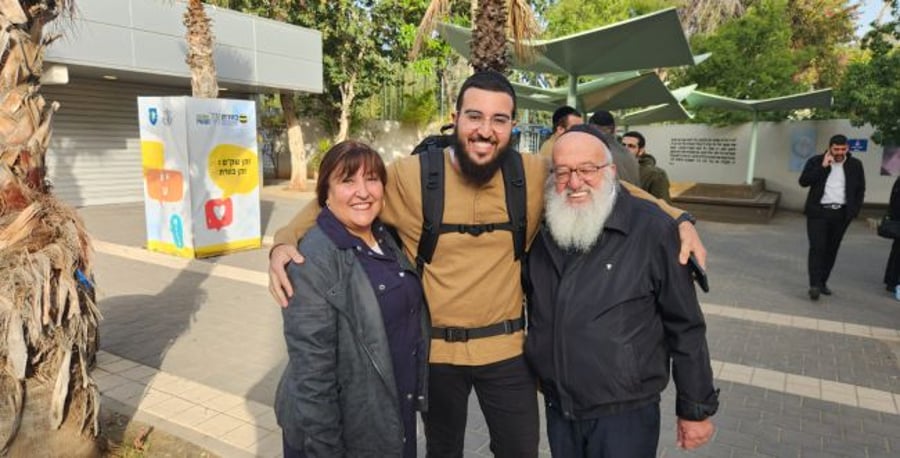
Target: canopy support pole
(572, 96)
(751, 162)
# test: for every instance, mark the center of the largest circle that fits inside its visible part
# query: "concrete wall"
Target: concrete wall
(707, 154)
(719, 155)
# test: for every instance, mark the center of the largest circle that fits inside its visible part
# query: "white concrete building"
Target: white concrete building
(116, 50)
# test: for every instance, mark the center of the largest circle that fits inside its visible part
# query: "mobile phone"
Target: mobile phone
(698, 274)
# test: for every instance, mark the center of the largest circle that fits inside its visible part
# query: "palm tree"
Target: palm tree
(200, 51)
(492, 20)
(48, 318)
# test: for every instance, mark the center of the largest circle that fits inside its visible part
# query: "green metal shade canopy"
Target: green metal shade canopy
(613, 91)
(650, 41)
(670, 111)
(813, 99)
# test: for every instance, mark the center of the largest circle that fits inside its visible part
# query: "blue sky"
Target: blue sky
(870, 9)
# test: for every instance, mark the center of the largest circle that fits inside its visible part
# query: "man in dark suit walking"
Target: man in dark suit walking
(837, 185)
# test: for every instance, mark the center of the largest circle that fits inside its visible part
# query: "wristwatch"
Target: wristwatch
(685, 216)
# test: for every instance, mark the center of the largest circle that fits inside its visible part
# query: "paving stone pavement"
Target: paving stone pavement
(195, 346)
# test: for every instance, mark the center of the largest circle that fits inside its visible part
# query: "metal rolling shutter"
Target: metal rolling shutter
(94, 155)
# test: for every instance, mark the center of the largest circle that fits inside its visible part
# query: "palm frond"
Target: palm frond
(523, 28)
(437, 11)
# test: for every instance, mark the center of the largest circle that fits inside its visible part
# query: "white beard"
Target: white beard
(578, 228)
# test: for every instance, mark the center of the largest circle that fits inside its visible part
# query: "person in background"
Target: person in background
(355, 327)
(837, 185)
(627, 164)
(653, 179)
(563, 118)
(892, 270)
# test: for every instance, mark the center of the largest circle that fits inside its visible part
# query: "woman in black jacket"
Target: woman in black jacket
(892, 271)
(355, 325)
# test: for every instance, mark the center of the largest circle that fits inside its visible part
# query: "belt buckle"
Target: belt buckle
(456, 335)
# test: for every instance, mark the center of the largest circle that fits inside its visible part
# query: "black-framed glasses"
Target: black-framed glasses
(587, 172)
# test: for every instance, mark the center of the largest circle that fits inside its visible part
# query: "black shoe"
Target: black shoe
(814, 293)
(825, 291)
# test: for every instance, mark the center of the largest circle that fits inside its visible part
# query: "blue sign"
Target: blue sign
(154, 116)
(858, 145)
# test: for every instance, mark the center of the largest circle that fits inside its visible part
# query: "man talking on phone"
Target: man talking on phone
(837, 186)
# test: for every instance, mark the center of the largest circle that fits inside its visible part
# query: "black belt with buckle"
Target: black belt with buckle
(464, 334)
(832, 206)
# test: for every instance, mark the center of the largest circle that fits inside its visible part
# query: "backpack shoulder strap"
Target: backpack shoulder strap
(431, 163)
(516, 200)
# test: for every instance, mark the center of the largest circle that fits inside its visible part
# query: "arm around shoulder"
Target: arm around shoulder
(298, 226)
(641, 194)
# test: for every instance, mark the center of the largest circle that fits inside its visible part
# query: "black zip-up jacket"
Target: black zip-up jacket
(604, 325)
(814, 176)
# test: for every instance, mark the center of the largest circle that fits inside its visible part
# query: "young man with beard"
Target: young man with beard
(473, 285)
(610, 309)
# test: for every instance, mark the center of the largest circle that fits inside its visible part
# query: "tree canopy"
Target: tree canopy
(870, 89)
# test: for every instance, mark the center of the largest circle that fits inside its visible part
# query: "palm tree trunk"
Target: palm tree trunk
(48, 319)
(200, 51)
(489, 37)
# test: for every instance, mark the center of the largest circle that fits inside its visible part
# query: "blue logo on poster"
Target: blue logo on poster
(858, 145)
(154, 116)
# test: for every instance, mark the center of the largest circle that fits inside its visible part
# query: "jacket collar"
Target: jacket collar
(620, 217)
(339, 234)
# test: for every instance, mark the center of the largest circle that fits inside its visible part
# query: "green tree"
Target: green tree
(566, 17)
(870, 91)
(821, 31)
(355, 63)
(752, 58)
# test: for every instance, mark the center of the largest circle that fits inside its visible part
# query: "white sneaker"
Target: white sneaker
(897, 292)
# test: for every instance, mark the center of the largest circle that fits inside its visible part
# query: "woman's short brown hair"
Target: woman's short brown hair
(346, 158)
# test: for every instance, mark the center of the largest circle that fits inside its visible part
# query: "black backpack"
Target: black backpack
(431, 161)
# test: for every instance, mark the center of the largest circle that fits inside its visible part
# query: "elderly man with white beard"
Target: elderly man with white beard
(610, 309)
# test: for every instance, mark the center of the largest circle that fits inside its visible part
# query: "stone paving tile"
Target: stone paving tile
(865, 361)
(246, 436)
(218, 425)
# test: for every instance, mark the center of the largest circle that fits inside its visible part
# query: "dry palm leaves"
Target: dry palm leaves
(48, 318)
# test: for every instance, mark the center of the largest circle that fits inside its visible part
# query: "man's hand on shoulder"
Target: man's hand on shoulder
(279, 284)
(693, 434)
(690, 243)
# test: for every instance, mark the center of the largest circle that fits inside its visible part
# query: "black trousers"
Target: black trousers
(631, 434)
(507, 393)
(825, 230)
(892, 270)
